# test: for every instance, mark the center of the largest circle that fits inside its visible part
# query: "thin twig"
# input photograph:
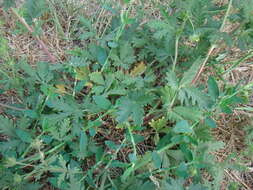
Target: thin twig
(203, 65)
(213, 46)
(30, 29)
(236, 178)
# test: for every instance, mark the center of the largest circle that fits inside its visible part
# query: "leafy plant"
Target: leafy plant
(126, 109)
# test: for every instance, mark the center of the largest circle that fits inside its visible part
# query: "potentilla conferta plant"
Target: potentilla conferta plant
(127, 96)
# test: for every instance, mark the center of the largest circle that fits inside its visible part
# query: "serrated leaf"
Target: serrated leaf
(97, 77)
(162, 28)
(182, 127)
(82, 73)
(102, 102)
(191, 73)
(203, 133)
(130, 109)
(24, 136)
(83, 144)
(213, 89)
(43, 72)
(172, 79)
(197, 97)
(172, 184)
(124, 57)
(183, 113)
(31, 113)
(7, 126)
(35, 9)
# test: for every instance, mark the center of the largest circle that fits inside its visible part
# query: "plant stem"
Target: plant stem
(11, 107)
(226, 15)
(132, 141)
(203, 64)
(118, 35)
(30, 29)
(213, 46)
(176, 53)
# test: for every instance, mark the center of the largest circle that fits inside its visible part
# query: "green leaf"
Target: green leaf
(197, 97)
(102, 102)
(189, 113)
(123, 57)
(112, 44)
(101, 55)
(172, 79)
(162, 29)
(83, 144)
(191, 73)
(197, 187)
(24, 136)
(7, 126)
(210, 122)
(213, 89)
(112, 145)
(31, 113)
(156, 159)
(181, 171)
(35, 9)
(182, 127)
(8, 3)
(130, 109)
(186, 151)
(127, 1)
(172, 184)
(75, 183)
(97, 77)
(43, 72)
(28, 69)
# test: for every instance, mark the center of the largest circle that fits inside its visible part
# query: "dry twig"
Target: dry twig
(30, 29)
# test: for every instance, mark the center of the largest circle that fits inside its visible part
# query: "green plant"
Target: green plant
(140, 81)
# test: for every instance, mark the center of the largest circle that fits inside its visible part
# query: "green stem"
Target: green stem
(118, 35)
(226, 15)
(11, 107)
(213, 46)
(132, 141)
(176, 53)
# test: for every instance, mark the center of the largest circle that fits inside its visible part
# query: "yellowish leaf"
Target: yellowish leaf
(138, 69)
(88, 84)
(60, 88)
(82, 73)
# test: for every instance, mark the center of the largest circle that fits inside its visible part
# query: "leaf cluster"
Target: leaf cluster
(122, 112)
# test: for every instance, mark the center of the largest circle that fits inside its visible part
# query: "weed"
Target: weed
(128, 106)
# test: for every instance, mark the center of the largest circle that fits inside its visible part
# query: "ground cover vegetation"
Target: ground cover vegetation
(123, 95)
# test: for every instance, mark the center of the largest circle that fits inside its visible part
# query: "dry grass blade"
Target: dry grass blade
(41, 43)
(237, 178)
